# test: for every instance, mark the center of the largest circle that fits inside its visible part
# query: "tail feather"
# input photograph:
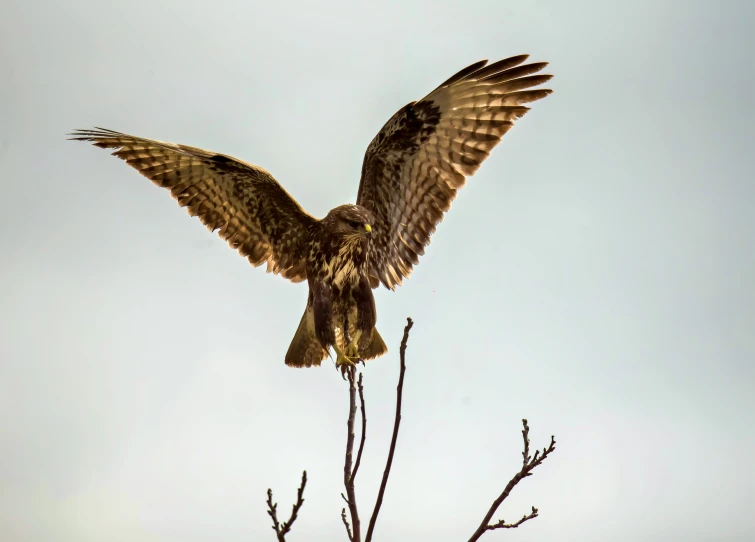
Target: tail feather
(305, 350)
(375, 348)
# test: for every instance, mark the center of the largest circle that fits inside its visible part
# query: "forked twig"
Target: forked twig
(397, 422)
(350, 468)
(528, 465)
(281, 530)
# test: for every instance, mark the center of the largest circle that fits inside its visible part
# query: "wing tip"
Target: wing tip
(464, 73)
(90, 134)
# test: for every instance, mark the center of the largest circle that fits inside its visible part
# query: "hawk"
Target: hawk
(411, 173)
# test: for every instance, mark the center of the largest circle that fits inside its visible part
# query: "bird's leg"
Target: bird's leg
(352, 349)
(344, 359)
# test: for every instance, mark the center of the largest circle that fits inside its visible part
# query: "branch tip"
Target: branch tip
(281, 530)
(528, 465)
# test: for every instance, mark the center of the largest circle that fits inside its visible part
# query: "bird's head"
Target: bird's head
(350, 220)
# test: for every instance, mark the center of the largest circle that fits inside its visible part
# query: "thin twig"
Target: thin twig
(348, 479)
(346, 524)
(272, 512)
(397, 422)
(364, 428)
(272, 509)
(503, 525)
(528, 465)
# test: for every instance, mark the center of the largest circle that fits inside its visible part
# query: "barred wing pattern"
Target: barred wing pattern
(422, 156)
(252, 212)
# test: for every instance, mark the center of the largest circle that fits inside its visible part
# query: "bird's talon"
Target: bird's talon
(345, 361)
(352, 351)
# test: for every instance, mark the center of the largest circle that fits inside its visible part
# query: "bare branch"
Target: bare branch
(350, 468)
(528, 465)
(348, 479)
(272, 512)
(503, 525)
(364, 429)
(346, 524)
(396, 424)
(272, 509)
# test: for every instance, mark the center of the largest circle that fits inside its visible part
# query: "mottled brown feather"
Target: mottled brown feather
(247, 206)
(421, 157)
(305, 349)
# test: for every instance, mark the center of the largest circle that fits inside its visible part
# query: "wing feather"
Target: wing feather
(244, 203)
(418, 161)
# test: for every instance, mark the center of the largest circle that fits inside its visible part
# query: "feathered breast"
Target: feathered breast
(342, 261)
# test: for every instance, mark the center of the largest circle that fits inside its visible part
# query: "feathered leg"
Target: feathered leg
(324, 323)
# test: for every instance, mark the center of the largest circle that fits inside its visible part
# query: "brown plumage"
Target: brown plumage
(411, 172)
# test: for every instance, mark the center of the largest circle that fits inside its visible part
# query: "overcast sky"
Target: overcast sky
(595, 276)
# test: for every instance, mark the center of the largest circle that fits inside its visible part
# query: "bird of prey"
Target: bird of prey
(411, 173)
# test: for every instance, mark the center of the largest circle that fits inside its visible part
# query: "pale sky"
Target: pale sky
(595, 276)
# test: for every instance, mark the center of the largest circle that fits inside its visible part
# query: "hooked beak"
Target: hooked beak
(368, 228)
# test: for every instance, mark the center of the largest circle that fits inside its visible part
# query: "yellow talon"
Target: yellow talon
(343, 360)
(352, 350)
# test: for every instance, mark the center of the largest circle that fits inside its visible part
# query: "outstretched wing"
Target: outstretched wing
(422, 156)
(252, 212)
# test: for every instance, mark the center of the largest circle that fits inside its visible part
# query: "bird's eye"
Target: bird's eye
(354, 224)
